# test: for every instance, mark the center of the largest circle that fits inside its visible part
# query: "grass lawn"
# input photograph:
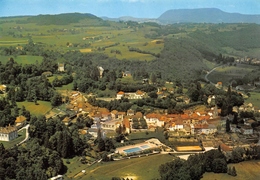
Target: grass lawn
(42, 108)
(21, 136)
(65, 87)
(130, 168)
(53, 77)
(248, 170)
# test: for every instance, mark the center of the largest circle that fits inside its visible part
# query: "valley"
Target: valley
(104, 99)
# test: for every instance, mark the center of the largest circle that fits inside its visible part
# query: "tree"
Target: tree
(101, 144)
(219, 165)
(56, 100)
(233, 171)
(227, 125)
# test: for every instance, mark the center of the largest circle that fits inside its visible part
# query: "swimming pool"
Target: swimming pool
(136, 149)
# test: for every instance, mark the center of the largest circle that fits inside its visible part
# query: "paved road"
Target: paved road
(26, 134)
(206, 76)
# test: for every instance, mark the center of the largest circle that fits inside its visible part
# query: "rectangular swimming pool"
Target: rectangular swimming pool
(136, 149)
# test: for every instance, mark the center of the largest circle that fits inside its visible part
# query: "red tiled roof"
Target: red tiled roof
(126, 122)
(139, 92)
(120, 93)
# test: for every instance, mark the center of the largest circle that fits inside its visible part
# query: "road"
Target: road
(206, 76)
(26, 134)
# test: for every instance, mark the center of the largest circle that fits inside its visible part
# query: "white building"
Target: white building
(8, 133)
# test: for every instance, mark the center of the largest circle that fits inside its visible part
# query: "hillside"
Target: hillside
(205, 15)
(59, 19)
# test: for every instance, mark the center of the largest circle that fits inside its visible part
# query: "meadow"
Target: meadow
(41, 108)
(254, 98)
(248, 170)
(130, 168)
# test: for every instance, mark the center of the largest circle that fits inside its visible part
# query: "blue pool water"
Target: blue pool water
(145, 147)
(136, 149)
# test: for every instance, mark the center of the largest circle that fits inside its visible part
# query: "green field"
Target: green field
(79, 35)
(254, 99)
(21, 136)
(42, 108)
(248, 170)
(22, 59)
(130, 168)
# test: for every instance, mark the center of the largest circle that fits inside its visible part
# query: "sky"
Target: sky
(118, 8)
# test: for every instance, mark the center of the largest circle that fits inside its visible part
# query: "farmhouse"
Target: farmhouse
(8, 133)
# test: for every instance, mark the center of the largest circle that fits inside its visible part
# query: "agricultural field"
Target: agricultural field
(226, 73)
(248, 170)
(22, 59)
(121, 168)
(88, 35)
(41, 108)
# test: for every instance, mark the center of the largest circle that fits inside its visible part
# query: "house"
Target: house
(61, 67)
(110, 125)
(218, 85)
(139, 94)
(120, 94)
(114, 114)
(19, 48)
(130, 112)
(66, 120)
(178, 125)
(126, 124)
(8, 133)
(3, 88)
(101, 70)
(20, 121)
(126, 73)
(121, 115)
(153, 119)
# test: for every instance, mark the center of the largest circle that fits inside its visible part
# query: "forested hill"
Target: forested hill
(205, 15)
(181, 59)
(60, 19)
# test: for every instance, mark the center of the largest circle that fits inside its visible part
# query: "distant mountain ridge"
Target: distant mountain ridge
(130, 18)
(205, 15)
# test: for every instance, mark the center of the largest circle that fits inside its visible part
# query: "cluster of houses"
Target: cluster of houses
(248, 60)
(107, 122)
(131, 95)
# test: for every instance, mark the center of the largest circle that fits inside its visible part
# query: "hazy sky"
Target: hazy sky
(117, 8)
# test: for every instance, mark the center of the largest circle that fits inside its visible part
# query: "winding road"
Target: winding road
(206, 76)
